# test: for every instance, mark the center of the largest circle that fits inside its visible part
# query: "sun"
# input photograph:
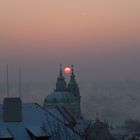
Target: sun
(67, 70)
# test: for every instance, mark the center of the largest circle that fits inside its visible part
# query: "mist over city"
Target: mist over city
(99, 41)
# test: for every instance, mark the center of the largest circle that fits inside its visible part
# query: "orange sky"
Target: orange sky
(68, 30)
(64, 20)
(100, 37)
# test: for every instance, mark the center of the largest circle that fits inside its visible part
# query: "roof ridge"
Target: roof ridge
(59, 120)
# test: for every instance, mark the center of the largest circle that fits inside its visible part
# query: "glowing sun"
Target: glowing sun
(67, 70)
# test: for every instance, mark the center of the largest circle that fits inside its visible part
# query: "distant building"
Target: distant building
(30, 121)
(98, 131)
(59, 119)
(66, 96)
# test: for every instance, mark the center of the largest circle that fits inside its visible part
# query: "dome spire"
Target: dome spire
(72, 77)
(72, 73)
(60, 74)
(72, 85)
(60, 84)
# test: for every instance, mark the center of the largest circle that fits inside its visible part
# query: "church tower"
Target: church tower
(72, 85)
(60, 84)
(73, 89)
(65, 96)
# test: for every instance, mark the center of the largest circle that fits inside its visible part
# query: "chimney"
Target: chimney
(12, 109)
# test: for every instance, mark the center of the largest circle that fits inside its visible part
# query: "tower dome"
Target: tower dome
(61, 97)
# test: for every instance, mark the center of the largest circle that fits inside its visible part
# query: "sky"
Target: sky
(100, 37)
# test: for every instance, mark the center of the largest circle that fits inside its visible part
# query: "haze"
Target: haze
(105, 33)
(100, 37)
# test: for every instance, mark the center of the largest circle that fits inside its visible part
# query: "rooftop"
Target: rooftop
(38, 122)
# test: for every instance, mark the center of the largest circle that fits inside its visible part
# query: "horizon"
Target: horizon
(100, 38)
(47, 33)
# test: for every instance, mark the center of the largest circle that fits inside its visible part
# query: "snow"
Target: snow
(55, 112)
(66, 114)
(40, 122)
(4, 133)
(38, 131)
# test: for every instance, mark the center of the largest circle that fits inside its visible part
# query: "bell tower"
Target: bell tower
(60, 84)
(72, 85)
(73, 89)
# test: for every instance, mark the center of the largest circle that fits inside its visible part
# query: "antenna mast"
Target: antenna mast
(7, 75)
(19, 82)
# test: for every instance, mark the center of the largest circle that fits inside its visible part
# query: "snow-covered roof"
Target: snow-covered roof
(38, 131)
(65, 113)
(39, 122)
(4, 133)
(81, 127)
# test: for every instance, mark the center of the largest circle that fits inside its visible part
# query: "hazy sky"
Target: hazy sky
(100, 37)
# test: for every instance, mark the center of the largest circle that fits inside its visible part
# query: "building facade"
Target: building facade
(65, 95)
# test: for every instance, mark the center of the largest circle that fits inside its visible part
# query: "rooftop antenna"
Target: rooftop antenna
(19, 71)
(7, 76)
